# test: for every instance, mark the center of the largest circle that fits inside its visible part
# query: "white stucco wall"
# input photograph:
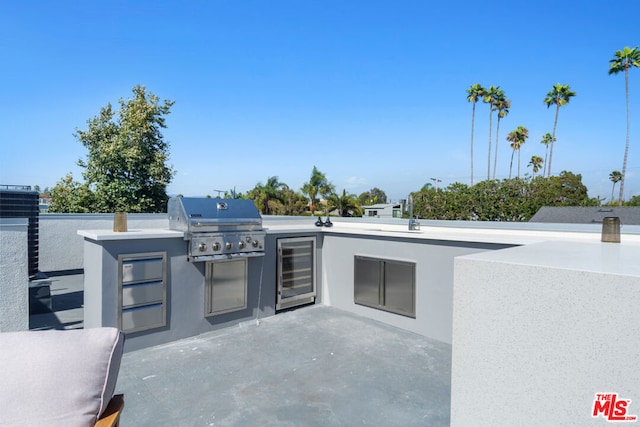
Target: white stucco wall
(60, 246)
(433, 280)
(14, 275)
(539, 330)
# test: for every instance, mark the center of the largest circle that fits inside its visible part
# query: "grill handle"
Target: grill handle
(203, 222)
(224, 257)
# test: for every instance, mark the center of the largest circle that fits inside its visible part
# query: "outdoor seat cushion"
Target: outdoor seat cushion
(58, 378)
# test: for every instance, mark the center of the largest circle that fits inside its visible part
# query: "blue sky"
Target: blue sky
(370, 92)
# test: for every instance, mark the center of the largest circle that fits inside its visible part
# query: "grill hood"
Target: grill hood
(195, 215)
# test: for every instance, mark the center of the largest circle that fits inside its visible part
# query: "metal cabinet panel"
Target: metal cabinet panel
(399, 287)
(385, 284)
(142, 270)
(142, 318)
(226, 286)
(367, 281)
(142, 291)
(142, 294)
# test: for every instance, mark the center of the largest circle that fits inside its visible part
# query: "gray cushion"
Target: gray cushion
(58, 378)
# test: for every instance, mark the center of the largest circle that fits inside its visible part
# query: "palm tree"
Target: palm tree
(502, 107)
(490, 97)
(547, 139)
(272, 191)
(536, 162)
(615, 177)
(625, 59)
(347, 204)
(474, 93)
(517, 138)
(267, 196)
(559, 95)
(318, 184)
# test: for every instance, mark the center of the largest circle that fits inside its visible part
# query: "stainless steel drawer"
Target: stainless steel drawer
(142, 291)
(142, 270)
(142, 294)
(140, 318)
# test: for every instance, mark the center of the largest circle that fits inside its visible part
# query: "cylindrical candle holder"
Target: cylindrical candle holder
(120, 222)
(611, 229)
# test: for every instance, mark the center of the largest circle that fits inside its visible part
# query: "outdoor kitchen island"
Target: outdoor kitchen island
(377, 269)
(144, 282)
(209, 270)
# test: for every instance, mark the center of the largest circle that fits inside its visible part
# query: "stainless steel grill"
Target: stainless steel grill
(218, 229)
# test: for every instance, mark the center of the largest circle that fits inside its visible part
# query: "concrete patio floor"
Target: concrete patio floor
(67, 295)
(315, 366)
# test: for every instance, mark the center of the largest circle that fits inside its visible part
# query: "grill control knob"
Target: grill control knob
(228, 245)
(241, 245)
(202, 247)
(254, 243)
(216, 246)
(248, 239)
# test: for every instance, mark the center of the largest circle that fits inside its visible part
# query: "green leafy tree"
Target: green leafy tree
(615, 177)
(346, 204)
(70, 196)
(474, 93)
(380, 195)
(559, 96)
(427, 186)
(294, 202)
(232, 194)
(270, 196)
(371, 197)
(276, 198)
(317, 185)
(514, 199)
(565, 189)
(259, 197)
(623, 61)
(126, 164)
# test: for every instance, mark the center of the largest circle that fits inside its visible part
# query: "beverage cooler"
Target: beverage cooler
(296, 272)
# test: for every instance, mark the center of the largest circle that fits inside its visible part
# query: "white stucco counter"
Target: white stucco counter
(103, 235)
(455, 231)
(539, 330)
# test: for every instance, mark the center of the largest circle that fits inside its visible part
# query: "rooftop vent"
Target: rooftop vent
(19, 201)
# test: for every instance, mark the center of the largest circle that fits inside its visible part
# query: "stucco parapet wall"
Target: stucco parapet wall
(14, 222)
(103, 235)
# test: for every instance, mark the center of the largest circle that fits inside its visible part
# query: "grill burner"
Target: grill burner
(217, 228)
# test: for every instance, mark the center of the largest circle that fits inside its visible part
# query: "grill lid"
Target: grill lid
(197, 214)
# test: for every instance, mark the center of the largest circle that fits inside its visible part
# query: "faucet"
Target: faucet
(414, 224)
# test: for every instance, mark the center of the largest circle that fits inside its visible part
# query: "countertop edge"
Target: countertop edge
(105, 235)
